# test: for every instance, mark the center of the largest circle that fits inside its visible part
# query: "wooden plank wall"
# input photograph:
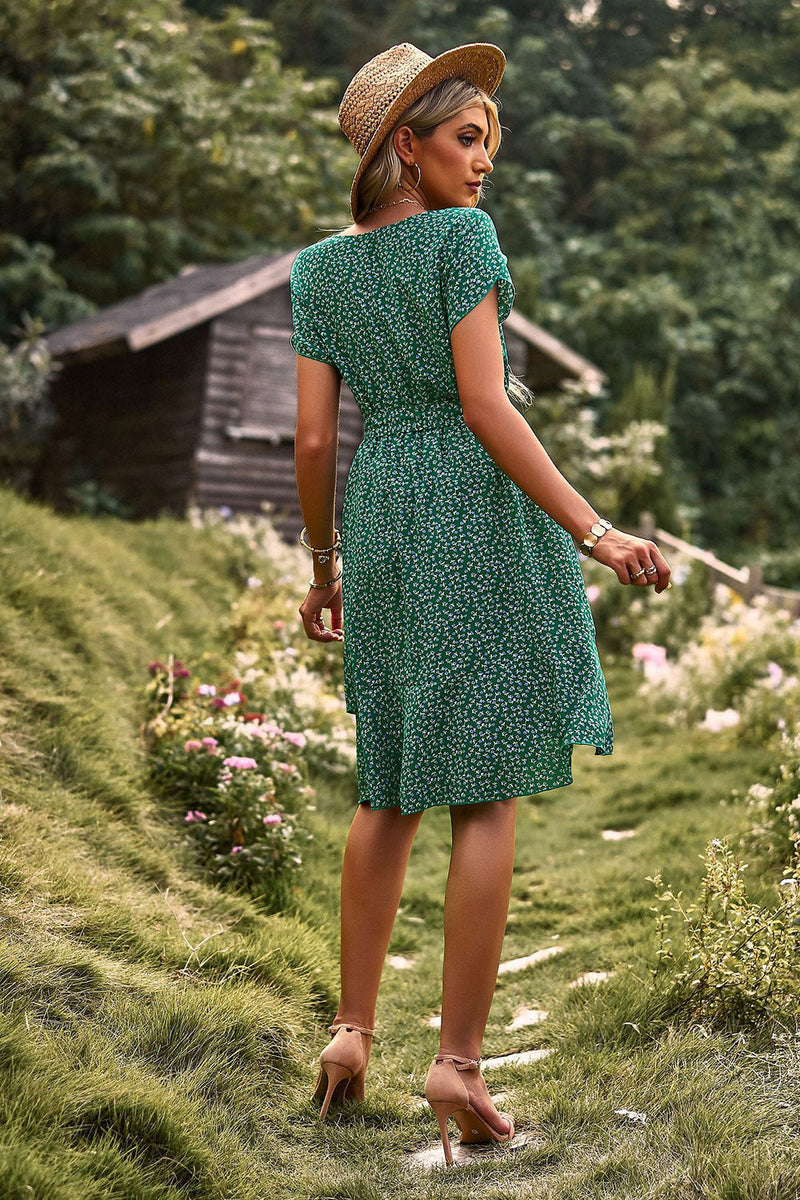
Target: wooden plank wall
(251, 385)
(131, 424)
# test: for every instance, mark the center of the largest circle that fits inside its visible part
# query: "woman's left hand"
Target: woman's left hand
(633, 559)
(312, 608)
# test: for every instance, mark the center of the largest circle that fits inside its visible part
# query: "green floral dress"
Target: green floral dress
(470, 660)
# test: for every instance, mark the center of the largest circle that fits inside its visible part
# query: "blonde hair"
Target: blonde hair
(441, 103)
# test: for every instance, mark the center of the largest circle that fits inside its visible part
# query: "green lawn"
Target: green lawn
(158, 1037)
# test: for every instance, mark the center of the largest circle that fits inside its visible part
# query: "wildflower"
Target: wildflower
(195, 815)
(295, 739)
(179, 671)
(206, 689)
(273, 819)
(232, 698)
(237, 849)
(241, 764)
(155, 667)
(716, 720)
(192, 744)
(254, 582)
(225, 512)
(648, 652)
(253, 718)
(279, 625)
(210, 743)
(774, 675)
(592, 593)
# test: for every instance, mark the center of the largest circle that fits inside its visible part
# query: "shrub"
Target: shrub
(739, 964)
(25, 411)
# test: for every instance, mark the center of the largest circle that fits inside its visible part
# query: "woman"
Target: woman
(469, 653)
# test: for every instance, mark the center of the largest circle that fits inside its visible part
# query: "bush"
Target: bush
(238, 774)
(739, 965)
(25, 410)
(775, 808)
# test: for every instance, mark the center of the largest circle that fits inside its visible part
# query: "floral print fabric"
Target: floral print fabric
(470, 661)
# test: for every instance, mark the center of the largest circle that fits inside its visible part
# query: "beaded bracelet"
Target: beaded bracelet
(598, 530)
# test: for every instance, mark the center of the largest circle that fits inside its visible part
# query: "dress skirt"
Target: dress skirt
(470, 660)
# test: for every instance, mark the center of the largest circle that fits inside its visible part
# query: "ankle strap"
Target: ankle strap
(349, 1025)
(460, 1064)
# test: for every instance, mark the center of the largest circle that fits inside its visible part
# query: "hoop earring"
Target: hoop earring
(419, 174)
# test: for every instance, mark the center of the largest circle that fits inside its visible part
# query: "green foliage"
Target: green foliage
(25, 411)
(138, 138)
(740, 963)
(620, 470)
(239, 778)
(775, 807)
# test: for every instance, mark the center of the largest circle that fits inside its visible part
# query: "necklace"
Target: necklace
(405, 200)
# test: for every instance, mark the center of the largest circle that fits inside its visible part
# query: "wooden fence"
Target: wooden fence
(748, 582)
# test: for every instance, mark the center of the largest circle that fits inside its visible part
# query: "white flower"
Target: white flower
(718, 719)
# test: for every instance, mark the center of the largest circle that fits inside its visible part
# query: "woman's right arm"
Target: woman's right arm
(508, 438)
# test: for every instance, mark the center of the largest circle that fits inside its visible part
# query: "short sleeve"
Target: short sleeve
(472, 264)
(307, 336)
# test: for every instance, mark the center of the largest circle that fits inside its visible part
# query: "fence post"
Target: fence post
(755, 583)
(647, 526)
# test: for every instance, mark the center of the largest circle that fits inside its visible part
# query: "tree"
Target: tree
(136, 139)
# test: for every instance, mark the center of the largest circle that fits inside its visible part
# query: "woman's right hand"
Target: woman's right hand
(633, 559)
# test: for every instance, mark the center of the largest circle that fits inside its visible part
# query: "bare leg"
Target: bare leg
(476, 909)
(374, 868)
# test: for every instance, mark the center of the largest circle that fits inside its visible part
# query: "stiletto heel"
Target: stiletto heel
(334, 1074)
(444, 1109)
(341, 1063)
(448, 1096)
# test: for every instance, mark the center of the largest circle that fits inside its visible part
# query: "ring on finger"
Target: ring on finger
(636, 574)
(651, 570)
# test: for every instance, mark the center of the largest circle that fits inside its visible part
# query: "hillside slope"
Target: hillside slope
(143, 1013)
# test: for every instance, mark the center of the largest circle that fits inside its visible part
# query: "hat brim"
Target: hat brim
(480, 62)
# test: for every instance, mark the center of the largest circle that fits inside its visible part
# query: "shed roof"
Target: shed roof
(201, 293)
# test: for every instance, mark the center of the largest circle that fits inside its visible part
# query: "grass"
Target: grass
(158, 1036)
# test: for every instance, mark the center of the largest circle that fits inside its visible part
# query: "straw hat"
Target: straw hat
(388, 84)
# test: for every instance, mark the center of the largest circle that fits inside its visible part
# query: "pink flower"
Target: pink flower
(280, 625)
(295, 739)
(237, 849)
(155, 667)
(210, 744)
(273, 819)
(192, 744)
(218, 702)
(592, 593)
(241, 764)
(195, 815)
(648, 652)
(774, 675)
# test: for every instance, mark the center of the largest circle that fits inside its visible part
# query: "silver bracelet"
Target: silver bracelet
(598, 530)
(323, 555)
(335, 579)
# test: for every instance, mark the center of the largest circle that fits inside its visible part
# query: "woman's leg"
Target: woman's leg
(475, 913)
(374, 867)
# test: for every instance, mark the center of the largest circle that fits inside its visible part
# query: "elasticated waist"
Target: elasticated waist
(395, 420)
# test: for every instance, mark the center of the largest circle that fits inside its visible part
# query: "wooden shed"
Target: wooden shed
(185, 394)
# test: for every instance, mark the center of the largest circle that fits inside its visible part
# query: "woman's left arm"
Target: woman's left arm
(316, 445)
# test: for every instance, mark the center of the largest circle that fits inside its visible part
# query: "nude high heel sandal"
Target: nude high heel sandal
(448, 1096)
(342, 1061)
